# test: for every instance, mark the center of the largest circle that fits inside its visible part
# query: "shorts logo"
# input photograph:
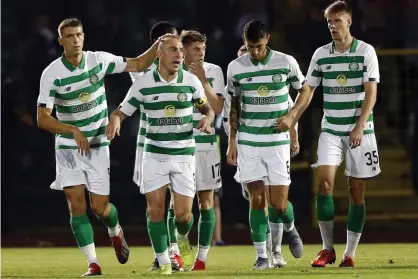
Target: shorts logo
(249, 79)
(84, 97)
(277, 78)
(182, 97)
(341, 80)
(68, 88)
(353, 66)
(263, 90)
(170, 111)
(94, 79)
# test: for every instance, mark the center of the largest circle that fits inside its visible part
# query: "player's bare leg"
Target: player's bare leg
(217, 238)
(356, 219)
(81, 227)
(157, 228)
(108, 215)
(258, 222)
(183, 221)
(176, 260)
(325, 215)
(206, 228)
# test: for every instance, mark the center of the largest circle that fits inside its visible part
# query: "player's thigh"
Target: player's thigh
(278, 196)
(137, 177)
(69, 169)
(76, 199)
(183, 184)
(155, 174)
(156, 203)
(97, 169)
(208, 170)
(363, 161)
(330, 150)
(277, 160)
(250, 165)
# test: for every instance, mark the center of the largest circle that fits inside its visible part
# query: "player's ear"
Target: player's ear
(60, 41)
(349, 21)
(268, 37)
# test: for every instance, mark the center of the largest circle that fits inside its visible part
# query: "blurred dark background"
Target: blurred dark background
(32, 214)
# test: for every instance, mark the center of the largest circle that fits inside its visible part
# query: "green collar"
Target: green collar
(353, 46)
(185, 67)
(158, 79)
(71, 67)
(266, 59)
(156, 61)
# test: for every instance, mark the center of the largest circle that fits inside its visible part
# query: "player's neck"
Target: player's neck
(344, 44)
(187, 64)
(166, 75)
(74, 60)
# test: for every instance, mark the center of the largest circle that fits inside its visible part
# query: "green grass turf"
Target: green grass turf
(372, 261)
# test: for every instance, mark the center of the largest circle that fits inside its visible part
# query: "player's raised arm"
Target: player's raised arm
(142, 62)
(129, 105)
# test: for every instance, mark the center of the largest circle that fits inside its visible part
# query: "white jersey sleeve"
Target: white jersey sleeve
(296, 77)
(218, 82)
(111, 63)
(47, 90)
(371, 64)
(135, 75)
(231, 83)
(133, 99)
(314, 75)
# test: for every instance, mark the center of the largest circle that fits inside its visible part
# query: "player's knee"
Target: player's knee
(205, 201)
(356, 189)
(156, 212)
(99, 209)
(258, 201)
(77, 206)
(279, 207)
(183, 216)
(326, 186)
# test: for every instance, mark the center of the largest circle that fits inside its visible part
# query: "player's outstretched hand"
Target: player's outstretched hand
(113, 128)
(284, 123)
(231, 154)
(204, 126)
(356, 135)
(82, 142)
(197, 70)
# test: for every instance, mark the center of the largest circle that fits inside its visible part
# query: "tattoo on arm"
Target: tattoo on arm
(234, 116)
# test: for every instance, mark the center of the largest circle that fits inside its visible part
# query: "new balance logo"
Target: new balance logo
(155, 98)
(249, 79)
(68, 88)
(374, 168)
(328, 67)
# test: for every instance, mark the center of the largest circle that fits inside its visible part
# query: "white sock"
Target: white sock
(353, 239)
(327, 234)
(269, 245)
(114, 231)
(174, 247)
(163, 257)
(289, 227)
(261, 249)
(202, 253)
(89, 252)
(180, 236)
(276, 236)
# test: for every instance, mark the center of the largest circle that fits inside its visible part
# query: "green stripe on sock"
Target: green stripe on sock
(184, 228)
(158, 234)
(258, 224)
(206, 226)
(325, 208)
(356, 217)
(112, 219)
(82, 230)
(171, 226)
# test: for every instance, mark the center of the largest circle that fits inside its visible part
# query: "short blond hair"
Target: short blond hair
(338, 7)
(69, 22)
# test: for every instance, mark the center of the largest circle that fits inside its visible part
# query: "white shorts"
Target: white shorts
(208, 170)
(92, 170)
(361, 162)
(138, 168)
(181, 176)
(269, 164)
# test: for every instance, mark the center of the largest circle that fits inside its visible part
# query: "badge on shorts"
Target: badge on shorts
(182, 97)
(341, 80)
(263, 90)
(277, 78)
(84, 97)
(94, 79)
(353, 66)
(170, 111)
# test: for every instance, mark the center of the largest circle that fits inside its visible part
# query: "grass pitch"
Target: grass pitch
(372, 261)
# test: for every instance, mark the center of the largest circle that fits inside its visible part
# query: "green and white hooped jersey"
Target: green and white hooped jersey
(264, 91)
(343, 76)
(168, 107)
(78, 94)
(143, 118)
(205, 142)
